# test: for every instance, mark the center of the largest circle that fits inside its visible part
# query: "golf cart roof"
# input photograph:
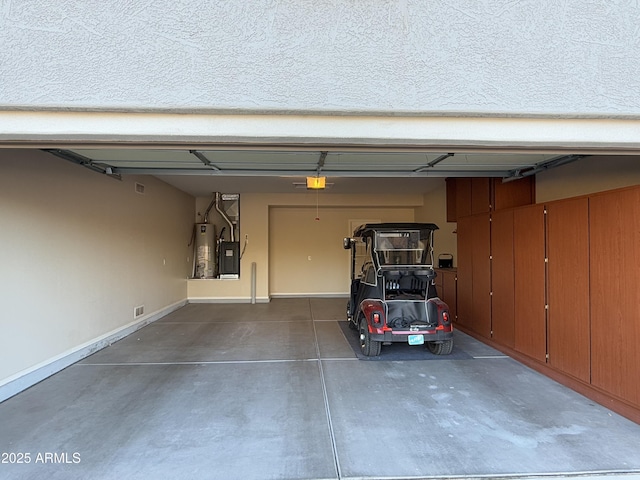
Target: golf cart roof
(370, 228)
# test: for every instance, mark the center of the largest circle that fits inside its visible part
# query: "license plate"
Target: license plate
(416, 339)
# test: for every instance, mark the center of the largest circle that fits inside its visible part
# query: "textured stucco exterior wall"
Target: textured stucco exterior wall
(527, 57)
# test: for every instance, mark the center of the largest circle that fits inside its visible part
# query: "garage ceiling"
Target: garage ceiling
(199, 172)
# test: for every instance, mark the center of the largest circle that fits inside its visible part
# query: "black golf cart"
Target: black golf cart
(393, 297)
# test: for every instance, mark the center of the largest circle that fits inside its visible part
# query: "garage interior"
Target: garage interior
(542, 261)
(513, 126)
(275, 391)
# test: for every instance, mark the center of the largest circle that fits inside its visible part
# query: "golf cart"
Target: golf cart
(393, 297)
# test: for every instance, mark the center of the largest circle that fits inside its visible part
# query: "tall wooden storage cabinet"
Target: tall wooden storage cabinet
(481, 275)
(614, 226)
(465, 271)
(529, 281)
(565, 285)
(474, 273)
(568, 287)
(502, 278)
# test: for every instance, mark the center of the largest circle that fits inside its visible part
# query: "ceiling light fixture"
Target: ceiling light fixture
(316, 183)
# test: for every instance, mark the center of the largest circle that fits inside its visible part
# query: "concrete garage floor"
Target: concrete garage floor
(274, 391)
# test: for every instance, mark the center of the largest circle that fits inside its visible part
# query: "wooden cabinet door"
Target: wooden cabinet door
(568, 287)
(465, 270)
(474, 273)
(463, 197)
(614, 226)
(529, 281)
(516, 193)
(480, 195)
(481, 274)
(502, 278)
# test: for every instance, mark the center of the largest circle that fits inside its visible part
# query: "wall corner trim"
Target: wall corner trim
(27, 378)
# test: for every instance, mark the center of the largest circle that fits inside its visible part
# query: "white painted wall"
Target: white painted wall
(78, 251)
(492, 57)
(306, 256)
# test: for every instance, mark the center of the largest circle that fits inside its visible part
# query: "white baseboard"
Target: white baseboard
(310, 295)
(29, 377)
(227, 300)
(266, 299)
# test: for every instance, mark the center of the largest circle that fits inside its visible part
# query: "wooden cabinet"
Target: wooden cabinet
(564, 292)
(472, 196)
(463, 197)
(516, 193)
(474, 273)
(614, 258)
(568, 287)
(480, 195)
(530, 334)
(502, 278)
(481, 275)
(465, 265)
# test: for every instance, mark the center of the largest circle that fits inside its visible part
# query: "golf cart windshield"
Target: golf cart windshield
(403, 248)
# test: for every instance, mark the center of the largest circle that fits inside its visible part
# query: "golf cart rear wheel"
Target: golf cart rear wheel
(369, 348)
(444, 348)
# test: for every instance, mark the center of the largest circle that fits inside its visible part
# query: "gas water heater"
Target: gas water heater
(205, 251)
(214, 256)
